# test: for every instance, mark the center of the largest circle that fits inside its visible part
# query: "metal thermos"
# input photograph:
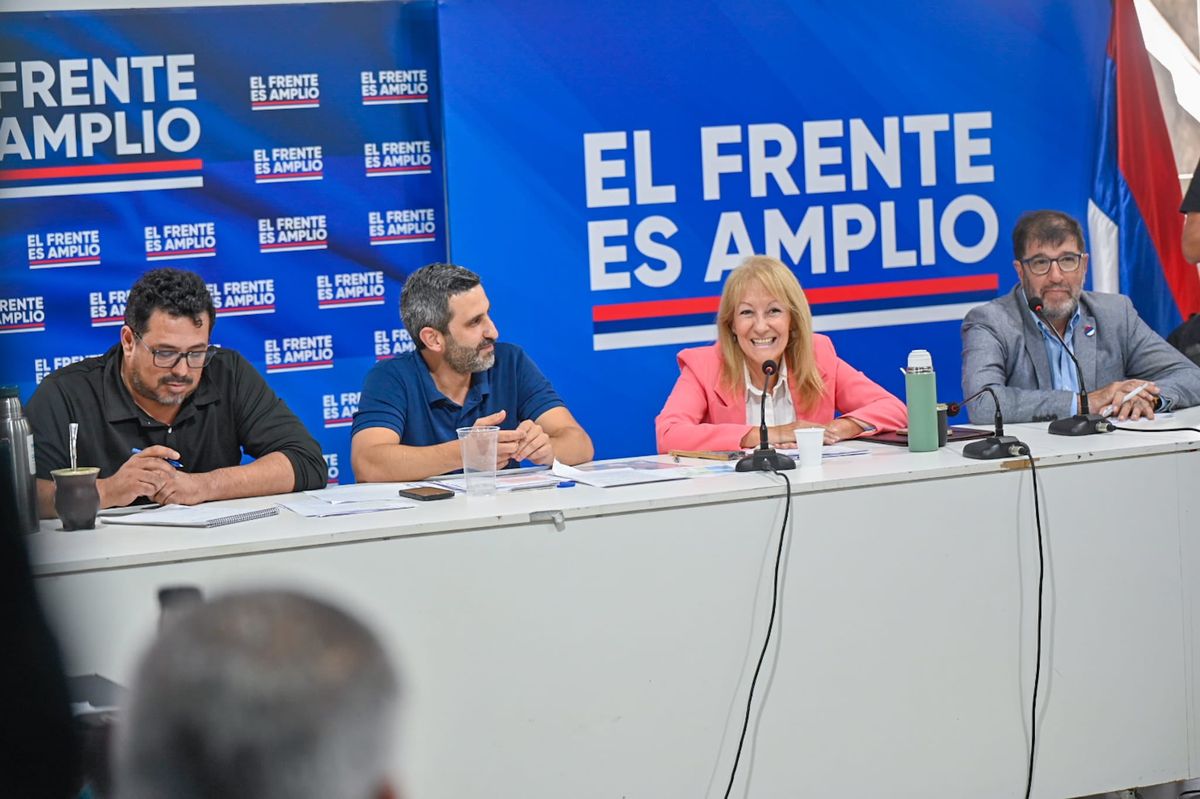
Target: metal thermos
(920, 384)
(18, 489)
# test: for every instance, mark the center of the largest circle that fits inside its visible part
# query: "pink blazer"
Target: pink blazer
(701, 415)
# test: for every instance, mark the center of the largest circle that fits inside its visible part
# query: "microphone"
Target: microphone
(770, 369)
(765, 459)
(1082, 423)
(997, 445)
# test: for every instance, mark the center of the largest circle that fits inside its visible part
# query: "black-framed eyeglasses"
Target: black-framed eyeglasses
(166, 359)
(1040, 264)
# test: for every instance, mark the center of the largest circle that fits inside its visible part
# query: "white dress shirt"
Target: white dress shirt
(779, 408)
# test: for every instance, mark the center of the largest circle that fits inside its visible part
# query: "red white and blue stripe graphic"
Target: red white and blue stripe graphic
(246, 310)
(290, 177)
(345, 421)
(108, 321)
(23, 327)
(60, 181)
(350, 302)
(172, 255)
(1133, 217)
(391, 171)
(395, 99)
(293, 246)
(284, 105)
(413, 238)
(692, 320)
(55, 263)
(299, 366)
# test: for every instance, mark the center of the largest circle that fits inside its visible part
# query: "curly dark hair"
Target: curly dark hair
(175, 291)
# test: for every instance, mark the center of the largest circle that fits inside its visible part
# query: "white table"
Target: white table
(612, 658)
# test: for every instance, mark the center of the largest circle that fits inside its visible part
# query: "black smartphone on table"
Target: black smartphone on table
(426, 493)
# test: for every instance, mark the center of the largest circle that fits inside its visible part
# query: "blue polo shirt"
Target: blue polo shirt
(400, 394)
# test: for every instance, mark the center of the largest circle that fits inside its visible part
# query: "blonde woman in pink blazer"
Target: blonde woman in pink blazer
(764, 316)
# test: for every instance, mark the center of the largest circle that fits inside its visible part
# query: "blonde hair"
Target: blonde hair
(778, 281)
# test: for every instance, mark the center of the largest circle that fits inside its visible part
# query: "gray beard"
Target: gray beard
(1062, 312)
(1055, 314)
(465, 360)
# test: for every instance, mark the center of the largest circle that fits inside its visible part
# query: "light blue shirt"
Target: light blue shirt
(1062, 368)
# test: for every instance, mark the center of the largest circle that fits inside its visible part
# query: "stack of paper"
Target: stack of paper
(315, 508)
(203, 515)
(843, 450)
(504, 481)
(620, 476)
(362, 492)
(831, 451)
(347, 500)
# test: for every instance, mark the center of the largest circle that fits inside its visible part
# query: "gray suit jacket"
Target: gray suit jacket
(1003, 348)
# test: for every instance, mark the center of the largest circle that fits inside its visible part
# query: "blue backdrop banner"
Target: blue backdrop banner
(611, 162)
(291, 155)
(606, 165)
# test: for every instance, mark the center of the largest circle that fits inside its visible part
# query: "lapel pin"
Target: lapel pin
(1088, 330)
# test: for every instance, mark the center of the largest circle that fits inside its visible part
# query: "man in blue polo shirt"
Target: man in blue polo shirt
(458, 376)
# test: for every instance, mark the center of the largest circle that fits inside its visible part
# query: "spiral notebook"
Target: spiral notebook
(192, 516)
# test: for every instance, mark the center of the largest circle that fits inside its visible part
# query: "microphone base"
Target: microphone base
(1080, 425)
(765, 460)
(994, 448)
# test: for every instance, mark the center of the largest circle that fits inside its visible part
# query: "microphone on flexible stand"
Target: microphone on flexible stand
(1082, 423)
(996, 445)
(765, 459)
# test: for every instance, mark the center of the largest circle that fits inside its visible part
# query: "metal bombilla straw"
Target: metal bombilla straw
(74, 430)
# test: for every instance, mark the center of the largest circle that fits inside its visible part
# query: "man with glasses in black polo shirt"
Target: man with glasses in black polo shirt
(165, 415)
(1128, 370)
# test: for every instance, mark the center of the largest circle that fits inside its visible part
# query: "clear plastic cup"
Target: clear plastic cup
(479, 459)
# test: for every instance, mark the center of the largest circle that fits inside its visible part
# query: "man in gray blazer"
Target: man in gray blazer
(1006, 347)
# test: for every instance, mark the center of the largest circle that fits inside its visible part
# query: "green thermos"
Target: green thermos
(920, 388)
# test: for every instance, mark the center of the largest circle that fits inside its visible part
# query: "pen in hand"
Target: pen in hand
(1109, 409)
(176, 464)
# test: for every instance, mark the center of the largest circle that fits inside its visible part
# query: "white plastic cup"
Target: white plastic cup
(479, 459)
(809, 441)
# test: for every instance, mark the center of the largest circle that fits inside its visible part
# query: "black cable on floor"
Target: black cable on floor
(787, 508)
(1037, 669)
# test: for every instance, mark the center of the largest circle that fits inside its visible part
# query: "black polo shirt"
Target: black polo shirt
(232, 411)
